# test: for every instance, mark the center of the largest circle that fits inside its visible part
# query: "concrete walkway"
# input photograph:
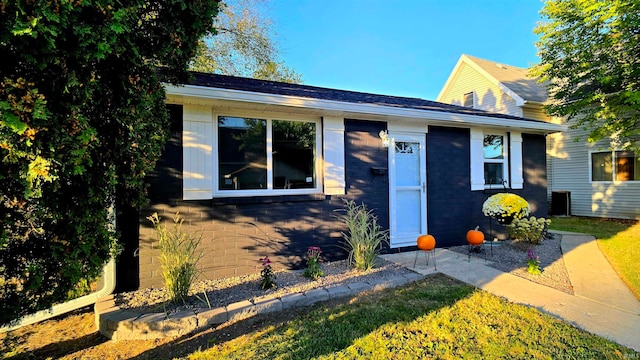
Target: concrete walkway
(602, 304)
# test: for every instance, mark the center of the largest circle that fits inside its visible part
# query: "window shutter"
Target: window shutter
(197, 147)
(515, 152)
(333, 154)
(477, 159)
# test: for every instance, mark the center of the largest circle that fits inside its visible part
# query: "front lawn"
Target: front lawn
(618, 240)
(435, 317)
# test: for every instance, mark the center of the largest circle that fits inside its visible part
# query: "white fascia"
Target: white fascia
(446, 118)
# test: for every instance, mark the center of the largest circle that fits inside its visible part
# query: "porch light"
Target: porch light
(384, 135)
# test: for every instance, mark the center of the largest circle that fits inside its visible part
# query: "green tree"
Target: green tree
(82, 119)
(590, 56)
(243, 45)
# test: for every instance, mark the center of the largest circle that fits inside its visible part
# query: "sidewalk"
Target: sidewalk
(602, 304)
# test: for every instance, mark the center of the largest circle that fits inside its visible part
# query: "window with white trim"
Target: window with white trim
(468, 100)
(496, 165)
(261, 155)
(615, 165)
(496, 159)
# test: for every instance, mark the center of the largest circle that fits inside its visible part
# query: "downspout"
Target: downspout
(109, 284)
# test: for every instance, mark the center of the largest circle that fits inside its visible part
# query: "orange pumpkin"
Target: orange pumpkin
(426, 242)
(475, 237)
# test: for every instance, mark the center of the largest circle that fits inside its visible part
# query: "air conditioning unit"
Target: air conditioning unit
(561, 203)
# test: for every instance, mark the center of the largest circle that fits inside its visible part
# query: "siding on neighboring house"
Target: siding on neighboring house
(571, 169)
(489, 96)
(534, 112)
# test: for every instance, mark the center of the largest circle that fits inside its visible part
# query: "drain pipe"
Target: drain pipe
(109, 284)
(109, 280)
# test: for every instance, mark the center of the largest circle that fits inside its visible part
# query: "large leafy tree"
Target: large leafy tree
(243, 45)
(82, 119)
(590, 55)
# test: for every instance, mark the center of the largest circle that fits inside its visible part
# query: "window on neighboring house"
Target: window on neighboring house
(467, 100)
(615, 165)
(495, 160)
(266, 155)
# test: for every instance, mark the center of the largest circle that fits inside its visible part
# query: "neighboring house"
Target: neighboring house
(601, 182)
(261, 168)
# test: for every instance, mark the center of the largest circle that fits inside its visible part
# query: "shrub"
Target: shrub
(529, 229)
(313, 270)
(364, 237)
(178, 257)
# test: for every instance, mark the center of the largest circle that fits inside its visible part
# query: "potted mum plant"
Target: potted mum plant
(505, 207)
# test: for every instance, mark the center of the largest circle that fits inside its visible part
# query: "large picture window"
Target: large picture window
(495, 160)
(615, 165)
(264, 155)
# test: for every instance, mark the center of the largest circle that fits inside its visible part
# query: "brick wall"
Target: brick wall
(453, 208)
(237, 232)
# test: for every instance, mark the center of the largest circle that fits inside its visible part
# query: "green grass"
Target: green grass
(618, 240)
(436, 317)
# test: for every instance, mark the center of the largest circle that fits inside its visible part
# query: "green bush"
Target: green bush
(364, 237)
(529, 229)
(178, 257)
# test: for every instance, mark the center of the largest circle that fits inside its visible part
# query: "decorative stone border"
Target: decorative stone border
(118, 324)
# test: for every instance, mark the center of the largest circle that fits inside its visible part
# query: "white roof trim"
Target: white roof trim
(465, 59)
(453, 119)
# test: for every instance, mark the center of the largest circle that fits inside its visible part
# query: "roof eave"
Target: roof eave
(453, 119)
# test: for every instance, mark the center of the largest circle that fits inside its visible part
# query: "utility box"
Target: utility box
(561, 203)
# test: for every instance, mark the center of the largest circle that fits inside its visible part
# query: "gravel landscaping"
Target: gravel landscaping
(511, 257)
(507, 256)
(222, 292)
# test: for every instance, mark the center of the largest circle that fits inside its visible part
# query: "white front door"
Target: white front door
(407, 188)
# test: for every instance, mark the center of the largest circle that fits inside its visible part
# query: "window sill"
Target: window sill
(268, 199)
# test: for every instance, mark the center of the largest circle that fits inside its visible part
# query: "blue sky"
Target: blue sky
(401, 47)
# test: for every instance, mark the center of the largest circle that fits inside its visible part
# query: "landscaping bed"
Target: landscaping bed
(511, 257)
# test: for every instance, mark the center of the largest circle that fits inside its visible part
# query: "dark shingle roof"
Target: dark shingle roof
(313, 92)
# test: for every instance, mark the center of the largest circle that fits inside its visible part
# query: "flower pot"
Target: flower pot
(506, 220)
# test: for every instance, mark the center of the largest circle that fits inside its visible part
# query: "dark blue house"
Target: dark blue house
(259, 168)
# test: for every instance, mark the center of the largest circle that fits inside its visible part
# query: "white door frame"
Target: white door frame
(396, 240)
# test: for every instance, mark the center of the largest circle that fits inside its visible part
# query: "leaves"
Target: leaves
(82, 120)
(589, 53)
(242, 44)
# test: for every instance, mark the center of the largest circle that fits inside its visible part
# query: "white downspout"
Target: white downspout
(109, 284)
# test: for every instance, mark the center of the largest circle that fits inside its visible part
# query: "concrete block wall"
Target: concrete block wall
(238, 232)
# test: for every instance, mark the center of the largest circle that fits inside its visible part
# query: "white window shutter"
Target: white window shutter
(333, 154)
(515, 151)
(197, 152)
(477, 159)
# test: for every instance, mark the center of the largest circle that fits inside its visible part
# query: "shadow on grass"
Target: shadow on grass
(324, 328)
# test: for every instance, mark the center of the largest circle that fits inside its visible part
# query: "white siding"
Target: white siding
(488, 96)
(570, 172)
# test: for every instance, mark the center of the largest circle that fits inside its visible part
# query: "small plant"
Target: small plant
(364, 237)
(533, 262)
(267, 274)
(529, 229)
(178, 257)
(313, 270)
